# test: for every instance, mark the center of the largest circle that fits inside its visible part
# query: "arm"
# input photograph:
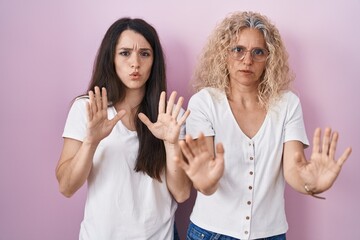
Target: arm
(202, 167)
(320, 172)
(74, 165)
(178, 183)
(167, 128)
(76, 157)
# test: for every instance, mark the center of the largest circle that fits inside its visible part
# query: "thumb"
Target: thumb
(117, 117)
(180, 162)
(143, 118)
(220, 149)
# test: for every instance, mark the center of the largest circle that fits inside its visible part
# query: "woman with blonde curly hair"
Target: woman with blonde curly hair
(250, 135)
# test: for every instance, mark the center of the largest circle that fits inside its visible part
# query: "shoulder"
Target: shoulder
(290, 96)
(207, 95)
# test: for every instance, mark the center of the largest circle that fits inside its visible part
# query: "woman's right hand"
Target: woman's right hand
(201, 167)
(99, 126)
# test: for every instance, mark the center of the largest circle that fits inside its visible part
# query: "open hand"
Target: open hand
(202, 168)
(167, 127)
(99, 126)
(322, 169)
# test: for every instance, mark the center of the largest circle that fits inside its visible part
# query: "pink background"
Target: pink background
(47, 50)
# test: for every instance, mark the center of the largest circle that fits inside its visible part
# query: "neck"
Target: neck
(132, 100)
(245, 96)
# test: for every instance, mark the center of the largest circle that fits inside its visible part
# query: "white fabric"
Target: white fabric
(254, 163)
(121, 203)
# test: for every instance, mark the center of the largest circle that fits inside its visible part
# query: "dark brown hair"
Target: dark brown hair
(151, 157)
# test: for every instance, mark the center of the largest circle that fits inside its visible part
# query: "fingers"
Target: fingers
(202, 143)
(162, 102)
(170, 104)
(143, 118)
(186, 149)
(333, 145)
(220, 149)
(184, 117)
(171, 108)
(181, 162)
(117, 117)
(98, 98)
(316, 140)
(326, 141)
(103, 98)
(344, 156)
(329, 145)
(194, 145)
(177, 109)
(89, 112)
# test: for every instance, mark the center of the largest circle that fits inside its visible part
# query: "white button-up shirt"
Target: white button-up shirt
(249, 202)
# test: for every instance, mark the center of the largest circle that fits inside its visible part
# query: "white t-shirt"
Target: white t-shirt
(249, 202)
(121, 203)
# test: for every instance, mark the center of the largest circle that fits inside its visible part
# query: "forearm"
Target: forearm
(177, 181)
(73, 172)
(292, 177)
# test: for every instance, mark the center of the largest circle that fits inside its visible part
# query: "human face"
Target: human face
(246, 72)
(133, 59)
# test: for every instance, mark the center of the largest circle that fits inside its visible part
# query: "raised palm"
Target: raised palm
(201, 167)
(322, 169)
(167, 127)
(99, 126)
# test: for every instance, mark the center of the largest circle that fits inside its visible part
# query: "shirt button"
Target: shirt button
(249, 202)
(251, 158)
(251, 172)
(246, 232)
(247, 217)
(250, 187)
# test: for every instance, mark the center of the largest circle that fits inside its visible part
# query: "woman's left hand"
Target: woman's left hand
(321, 171)
(167, 127)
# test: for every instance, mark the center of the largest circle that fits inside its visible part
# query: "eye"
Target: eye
(259, 52)
(238, 49)
(145, 53)
(125, 53)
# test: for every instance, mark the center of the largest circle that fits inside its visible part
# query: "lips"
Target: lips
(246, 71)
(134, 74)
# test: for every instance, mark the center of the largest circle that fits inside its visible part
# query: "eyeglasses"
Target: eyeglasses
(257, 54)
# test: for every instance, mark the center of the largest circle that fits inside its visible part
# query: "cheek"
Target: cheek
(230, 65)
(120, 70)
(261, 70)
(148, 66)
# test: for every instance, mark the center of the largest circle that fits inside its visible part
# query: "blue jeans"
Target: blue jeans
(197, 233)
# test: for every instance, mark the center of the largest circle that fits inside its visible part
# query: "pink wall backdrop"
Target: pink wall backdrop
(47, 50)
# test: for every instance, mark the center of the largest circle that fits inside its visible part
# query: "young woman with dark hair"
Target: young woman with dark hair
(122, 138)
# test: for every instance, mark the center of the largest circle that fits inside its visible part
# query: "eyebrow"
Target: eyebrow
(130, 49)
(235, 46)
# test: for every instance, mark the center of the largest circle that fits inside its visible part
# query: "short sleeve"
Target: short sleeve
(294, 128)
(75, 126)
(200, 119)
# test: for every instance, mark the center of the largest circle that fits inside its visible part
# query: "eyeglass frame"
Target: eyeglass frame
(251, 51)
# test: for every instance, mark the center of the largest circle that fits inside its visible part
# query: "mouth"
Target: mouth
(246, 71)
(134, 74)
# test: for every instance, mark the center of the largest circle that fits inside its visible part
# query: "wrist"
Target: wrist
(311, 192)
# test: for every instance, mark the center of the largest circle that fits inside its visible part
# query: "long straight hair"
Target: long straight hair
(151, 157)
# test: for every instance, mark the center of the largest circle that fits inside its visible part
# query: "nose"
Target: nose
(135, 61)
(247, 59)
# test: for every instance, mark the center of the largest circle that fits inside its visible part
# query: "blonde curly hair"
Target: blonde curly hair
(212, 67)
